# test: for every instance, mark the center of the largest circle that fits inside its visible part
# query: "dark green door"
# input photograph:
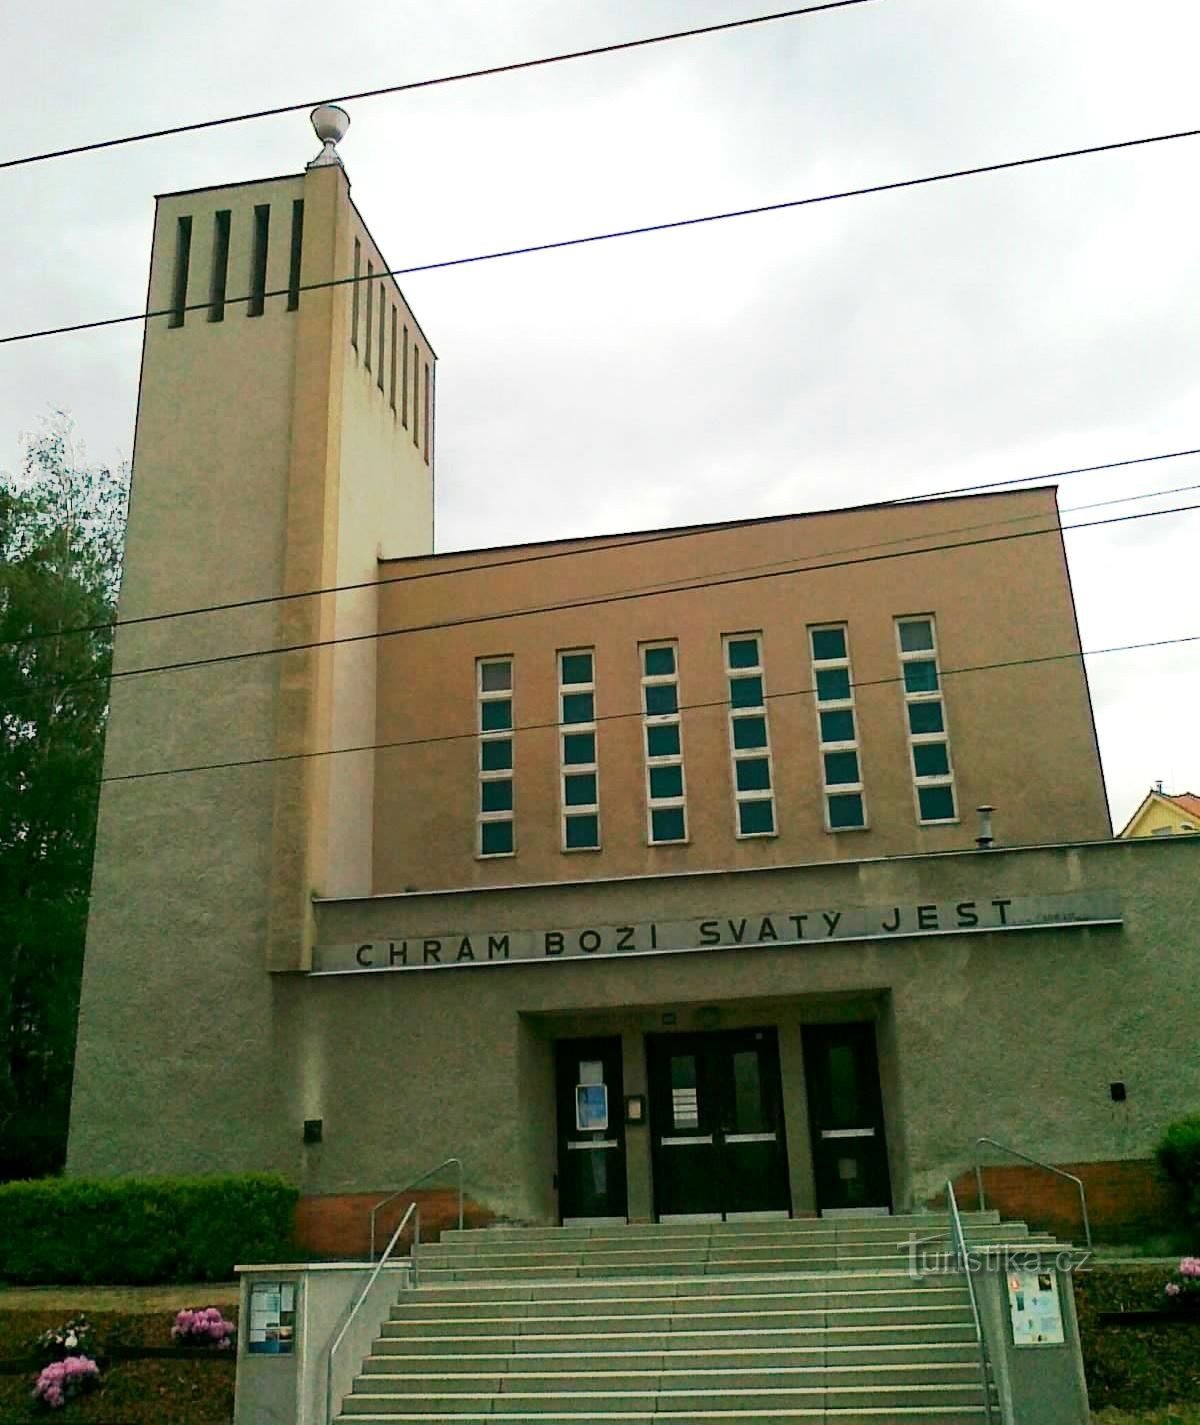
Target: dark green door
(591, 1129)
(716, 1124)
(845, 1111)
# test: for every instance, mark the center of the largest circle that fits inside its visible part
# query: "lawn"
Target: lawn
(153, 1392)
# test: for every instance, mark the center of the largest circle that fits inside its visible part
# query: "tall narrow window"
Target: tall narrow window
(577, 743)
(428, 422)
(183, 259)
(495, 835)
(837, 729)
(404, 381)
(354, 294)
(370, 314)
(258, 260)
(297, 252)
(220, 266)
(925, 720)
(749, 738)
(666, 810)
(392, 375)
(382, 329)
(416, 391)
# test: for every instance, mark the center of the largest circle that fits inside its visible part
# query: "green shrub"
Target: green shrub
(141, 1230)
(1179, 1157)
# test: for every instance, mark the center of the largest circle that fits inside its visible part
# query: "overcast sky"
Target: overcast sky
(978, 330)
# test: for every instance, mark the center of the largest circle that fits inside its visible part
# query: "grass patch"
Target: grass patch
(155, 1392)
(1138, 1369)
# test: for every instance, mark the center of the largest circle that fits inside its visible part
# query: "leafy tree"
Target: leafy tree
(61, 525)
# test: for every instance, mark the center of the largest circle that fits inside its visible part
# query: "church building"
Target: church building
(753, 868)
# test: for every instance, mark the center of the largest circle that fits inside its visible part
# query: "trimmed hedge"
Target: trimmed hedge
(1179, 1157)
(139, 1231)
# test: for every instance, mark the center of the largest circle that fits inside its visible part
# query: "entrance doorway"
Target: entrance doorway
(591, 1131)
(845, 1111)
(716, 1125)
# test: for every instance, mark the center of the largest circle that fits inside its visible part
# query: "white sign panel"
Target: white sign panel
(792, 927)
(1035, 1308)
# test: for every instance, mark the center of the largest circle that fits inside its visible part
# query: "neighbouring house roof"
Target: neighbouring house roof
(1186, 802)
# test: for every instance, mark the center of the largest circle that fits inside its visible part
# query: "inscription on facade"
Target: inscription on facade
(794, 928)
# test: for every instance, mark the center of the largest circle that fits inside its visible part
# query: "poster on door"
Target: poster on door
(591, 1098)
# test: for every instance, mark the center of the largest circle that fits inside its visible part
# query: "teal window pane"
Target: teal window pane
(916, 635)
(840, 767)
(828, 643)
(661, 698)
(833, 685)
(579, 748)
(579, 707)
(579, 789)
(497, 795)
(921, 676)
(846, 810)
(496, 715)
(837, 726)
(936, 803)
(583, 832)
(746, 692)
(576, 668)
(753, 774)
(931, 759)
(666, 782)
(659, 661)
(743, 653)
(496, 754)
(755, 818)
(495, 677)
(496, 838)
(668, 824)
(663, 741)
(926, 717)
(749, 732)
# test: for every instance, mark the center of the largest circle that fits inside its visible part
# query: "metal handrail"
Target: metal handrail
(1037, 1163)
(416, 1182)
(414, 1207)
(958, 1244)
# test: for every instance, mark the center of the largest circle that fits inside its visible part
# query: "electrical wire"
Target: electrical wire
(484, 73)
(622, 542)
(618, 717)
(622, 597)
(670, 226)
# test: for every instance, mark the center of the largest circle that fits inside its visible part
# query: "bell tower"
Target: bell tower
(284, 443)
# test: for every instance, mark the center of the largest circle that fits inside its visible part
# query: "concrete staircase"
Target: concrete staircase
(761, 1322)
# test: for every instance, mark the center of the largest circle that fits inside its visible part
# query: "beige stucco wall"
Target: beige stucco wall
(259, 467)
(1021, 737)
(1017, 1035)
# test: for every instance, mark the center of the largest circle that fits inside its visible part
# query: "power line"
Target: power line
(623, 597)
(641, 231)
(490, 70)
(624, 542)
(617, 717)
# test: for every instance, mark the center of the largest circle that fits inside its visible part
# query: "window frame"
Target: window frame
(734, 715)
(485, 736)
(854, 744)
(913, 740)
(652, 763)
(577, 810)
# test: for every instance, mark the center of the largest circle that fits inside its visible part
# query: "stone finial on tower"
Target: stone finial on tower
(330, 124)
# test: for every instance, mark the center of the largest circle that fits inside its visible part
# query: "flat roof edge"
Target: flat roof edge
(708, 873)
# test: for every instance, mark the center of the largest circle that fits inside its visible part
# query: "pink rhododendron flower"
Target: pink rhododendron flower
(1172, 1288)
(1190, 1267)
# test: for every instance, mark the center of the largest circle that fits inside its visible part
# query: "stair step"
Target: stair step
(855, 1415)
(689, 1399)
(882, 1353)
(731, 1378)
(932, 1220)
